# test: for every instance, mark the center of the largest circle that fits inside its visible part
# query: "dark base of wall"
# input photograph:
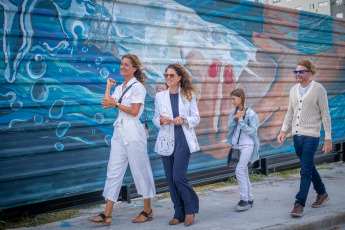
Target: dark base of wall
(272, 164)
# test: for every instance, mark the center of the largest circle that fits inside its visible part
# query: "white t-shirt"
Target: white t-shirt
(245, 139)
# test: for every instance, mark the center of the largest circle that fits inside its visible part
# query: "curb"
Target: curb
(327, 220)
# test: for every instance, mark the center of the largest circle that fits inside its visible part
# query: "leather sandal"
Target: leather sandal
(103, 220)
(149, 217)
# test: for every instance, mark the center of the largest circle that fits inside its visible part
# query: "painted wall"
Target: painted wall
(57, 54)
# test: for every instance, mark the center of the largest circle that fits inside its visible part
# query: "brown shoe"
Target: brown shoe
(174, 222)
(297, 211)
(320, 200)
(189, 219)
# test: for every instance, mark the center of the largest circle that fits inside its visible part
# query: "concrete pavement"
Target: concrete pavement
(273, 202)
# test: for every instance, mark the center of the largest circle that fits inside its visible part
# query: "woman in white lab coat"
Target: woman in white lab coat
(176, 114)
(129, 143)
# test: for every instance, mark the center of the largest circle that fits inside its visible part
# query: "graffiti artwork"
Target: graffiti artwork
(57, 55)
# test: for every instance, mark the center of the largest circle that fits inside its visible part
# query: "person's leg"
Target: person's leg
(168, 163)
(141, 170)
(243, 178)
(316, 179)
(306, 147)
(140, 166)
(297, 211)
(117, 166)
(242, 172)
(180, 168)
(319, 187)
(108, 211)
(249, 186)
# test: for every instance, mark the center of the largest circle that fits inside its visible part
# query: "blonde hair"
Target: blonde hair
(138, 74)
(239, 93)
(187, 88)
(308, 64)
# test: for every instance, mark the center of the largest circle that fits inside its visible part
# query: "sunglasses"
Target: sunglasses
(166, 75)
(300, 71)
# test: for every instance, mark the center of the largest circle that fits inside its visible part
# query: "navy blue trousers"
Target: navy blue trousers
(306, 147)
(182, 194)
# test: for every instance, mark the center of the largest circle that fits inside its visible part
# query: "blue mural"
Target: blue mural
(57, 55)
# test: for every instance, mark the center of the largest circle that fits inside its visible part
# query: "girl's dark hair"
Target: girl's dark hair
(187, 88)
(138, 74)
(238, 93)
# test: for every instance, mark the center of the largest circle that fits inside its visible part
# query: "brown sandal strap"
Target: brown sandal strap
(102, 216)
(144, 214)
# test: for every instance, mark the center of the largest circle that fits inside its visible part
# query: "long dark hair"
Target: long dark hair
(239, 93)
(187, 88)
(138, 74)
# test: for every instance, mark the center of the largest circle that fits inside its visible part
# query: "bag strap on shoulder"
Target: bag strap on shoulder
(238, 140)
(125, 92)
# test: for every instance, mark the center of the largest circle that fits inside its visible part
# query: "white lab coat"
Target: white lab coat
(166, 138)
(129, 145)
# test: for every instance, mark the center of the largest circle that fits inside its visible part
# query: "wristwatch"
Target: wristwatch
(117, 105)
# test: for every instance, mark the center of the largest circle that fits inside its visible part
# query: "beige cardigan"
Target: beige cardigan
(306, 114)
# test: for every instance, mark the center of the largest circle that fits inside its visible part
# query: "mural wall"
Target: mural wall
(57, 55)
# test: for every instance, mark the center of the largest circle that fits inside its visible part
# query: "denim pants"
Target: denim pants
(305, 147)
(242, 175)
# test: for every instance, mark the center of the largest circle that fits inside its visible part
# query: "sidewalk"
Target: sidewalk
(273, 202)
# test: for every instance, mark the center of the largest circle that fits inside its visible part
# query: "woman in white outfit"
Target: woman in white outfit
(243, 135)
(129, 143)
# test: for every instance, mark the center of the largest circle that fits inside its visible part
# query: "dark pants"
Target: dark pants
(305, 147)
(182, 194)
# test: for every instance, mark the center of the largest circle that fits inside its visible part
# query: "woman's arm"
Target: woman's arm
(134, 110)
(193, 118)
(108, 101)
(110, 84)
(156, 117)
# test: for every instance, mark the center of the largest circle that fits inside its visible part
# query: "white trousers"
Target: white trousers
(134, 153)
(242, 172)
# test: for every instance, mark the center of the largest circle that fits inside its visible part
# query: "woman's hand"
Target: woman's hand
(108, 102)
(111, 82)
(240, 114)
(178, 121)
(165, 120)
